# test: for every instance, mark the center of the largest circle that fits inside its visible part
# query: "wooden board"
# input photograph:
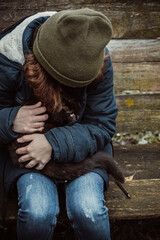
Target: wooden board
(136, 65)
(138, 112)
(131, 19)
(134, 50)
(139, 161)
(141, 164)
(138, 102)
(144, 202)
(136, 77)
(132, 121)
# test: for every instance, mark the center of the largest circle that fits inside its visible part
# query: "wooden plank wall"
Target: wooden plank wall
(135, 51)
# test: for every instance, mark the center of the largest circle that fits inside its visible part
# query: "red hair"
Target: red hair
(45, 88)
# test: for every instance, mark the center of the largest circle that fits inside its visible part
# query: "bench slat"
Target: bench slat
(132, 117)
(136, 101)
(136, 77)
(134, 50)
(142, 161)
(131, 20)
(132, 121)
(144, 202)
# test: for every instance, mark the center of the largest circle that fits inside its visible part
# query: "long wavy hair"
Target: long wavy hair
(46, 88)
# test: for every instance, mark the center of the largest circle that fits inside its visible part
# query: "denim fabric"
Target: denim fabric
(85, 207)
(39, 207)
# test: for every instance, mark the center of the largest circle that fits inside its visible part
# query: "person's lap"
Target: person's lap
(39, 207)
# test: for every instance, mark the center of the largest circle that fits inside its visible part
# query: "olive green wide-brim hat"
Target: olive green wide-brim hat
(70, 45)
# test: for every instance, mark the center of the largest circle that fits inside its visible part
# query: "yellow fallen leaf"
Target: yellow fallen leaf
(129, 178)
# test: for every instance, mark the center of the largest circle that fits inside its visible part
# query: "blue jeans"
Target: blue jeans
(39, 207)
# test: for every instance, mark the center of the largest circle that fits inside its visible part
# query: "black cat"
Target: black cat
(69, 171)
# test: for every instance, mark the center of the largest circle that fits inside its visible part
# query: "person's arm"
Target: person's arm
(7, 116)
(97, 127)
(9, 79)
(16, 119)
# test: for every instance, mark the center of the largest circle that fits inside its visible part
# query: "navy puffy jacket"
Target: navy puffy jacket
(94, 130)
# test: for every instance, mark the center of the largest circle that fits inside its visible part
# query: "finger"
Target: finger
(24, 158)
(38, 124)
(38, 104)
(31, 164)
(39, 167)
(40, 129)
(39, 110)
(22, 150)
(25, 138)
(40, 118)
(34, 130)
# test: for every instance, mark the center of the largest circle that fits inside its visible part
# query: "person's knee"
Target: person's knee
(38, 210)
(38, 200)
(88, 209)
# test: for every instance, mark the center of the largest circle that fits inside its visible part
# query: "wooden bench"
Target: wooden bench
(135, 52)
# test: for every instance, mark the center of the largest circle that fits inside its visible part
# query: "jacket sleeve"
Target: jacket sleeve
(7, 115)
(97, 127)
(8, 84)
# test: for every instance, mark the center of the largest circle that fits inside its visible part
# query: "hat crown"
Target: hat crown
(70, 45)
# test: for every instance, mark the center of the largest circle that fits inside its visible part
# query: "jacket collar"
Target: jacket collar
(17, 42)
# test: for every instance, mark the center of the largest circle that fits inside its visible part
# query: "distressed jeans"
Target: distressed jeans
(39, 207)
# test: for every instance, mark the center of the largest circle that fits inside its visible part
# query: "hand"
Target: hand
(38, 151)
(30, 119)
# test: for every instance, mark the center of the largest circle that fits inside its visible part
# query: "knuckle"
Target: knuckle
(30, 165)
(41, 167)
(23, 137)
(42, 161)
(28, 148)
(29, 119)
(30, 112)
(46, 116)
(37, 159)
(44, 109)
(21, 159)
(42, 124)
(24, 130)
(32, 155)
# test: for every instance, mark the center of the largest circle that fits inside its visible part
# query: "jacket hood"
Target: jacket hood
(11, 45)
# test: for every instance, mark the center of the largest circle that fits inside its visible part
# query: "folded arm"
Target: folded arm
(97, 127)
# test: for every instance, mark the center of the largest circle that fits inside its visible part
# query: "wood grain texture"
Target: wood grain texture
(138, 112)
(138, 77)
(142, 161)
(144, 202)
(133, 102)
(134, 50)
(132, 121)
(130, 19)
(136, 65)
